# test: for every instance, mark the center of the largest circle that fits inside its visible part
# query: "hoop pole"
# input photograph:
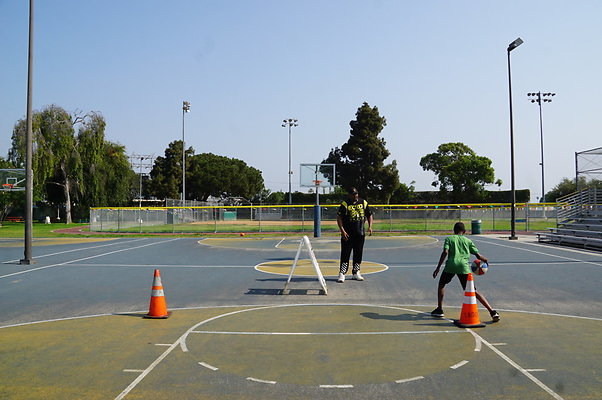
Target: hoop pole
(28, 231)
(317, 213)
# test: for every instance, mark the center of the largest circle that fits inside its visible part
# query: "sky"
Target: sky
(436, 70)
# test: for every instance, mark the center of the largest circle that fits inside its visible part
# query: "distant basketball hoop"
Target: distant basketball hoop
(13, 180)
(317, 182)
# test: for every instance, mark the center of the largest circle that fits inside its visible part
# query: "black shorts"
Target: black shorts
(446, 278)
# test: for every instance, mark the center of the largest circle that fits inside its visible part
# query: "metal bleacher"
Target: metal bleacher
(578, 221)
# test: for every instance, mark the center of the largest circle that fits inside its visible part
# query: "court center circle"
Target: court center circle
(304, 267)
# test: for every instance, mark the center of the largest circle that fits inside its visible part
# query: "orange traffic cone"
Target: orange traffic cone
(158, 307)
(469, 317)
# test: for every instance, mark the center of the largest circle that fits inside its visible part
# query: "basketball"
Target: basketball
(242, 234)
(478, 267)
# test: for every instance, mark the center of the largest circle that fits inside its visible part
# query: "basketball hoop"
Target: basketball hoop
(7, 186)
(317, 182)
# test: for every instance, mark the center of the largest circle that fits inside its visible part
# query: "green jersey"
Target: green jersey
(459, 248)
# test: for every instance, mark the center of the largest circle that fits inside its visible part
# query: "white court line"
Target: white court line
(336, 386)
(211, 367)
(133, 370)
(86, 258)
(458, 365)
(79, 249)
(518, 264)
(278, 244)
(325, 333)
(598, 264)
(520, 369)
(163, 265)
(146, 371)
(399, 307)
(416, 378)
(261, 381)
(536, 370)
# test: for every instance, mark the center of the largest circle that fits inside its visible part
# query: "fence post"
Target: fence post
(260, 218)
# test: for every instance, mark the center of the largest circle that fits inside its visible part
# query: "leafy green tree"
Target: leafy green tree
(215, 175)
(206, 175)
(567, 186)
(360, 161)
(460, 172)
(276, 198)
(403, 193)
(56, 164)
(90, 142)
(84, 169)
(107, 176)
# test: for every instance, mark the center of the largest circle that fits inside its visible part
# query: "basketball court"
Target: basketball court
(72, 324)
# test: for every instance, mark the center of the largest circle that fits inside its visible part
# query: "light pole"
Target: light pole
(290, 123)
(511, 47)
(28, 239)
(537, 98)
(185, 109)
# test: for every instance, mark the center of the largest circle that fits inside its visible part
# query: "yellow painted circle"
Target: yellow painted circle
(305, 267)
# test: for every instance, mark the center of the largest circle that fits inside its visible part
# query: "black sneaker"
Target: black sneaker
(495, 316)
(437, 312)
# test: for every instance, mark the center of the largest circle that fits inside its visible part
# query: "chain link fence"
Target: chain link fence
(293, 219)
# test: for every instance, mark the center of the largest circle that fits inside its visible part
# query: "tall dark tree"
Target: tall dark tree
(460, 172)
(361, 161)
(166, 175)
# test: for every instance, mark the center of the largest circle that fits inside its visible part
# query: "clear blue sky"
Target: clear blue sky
(435, 69)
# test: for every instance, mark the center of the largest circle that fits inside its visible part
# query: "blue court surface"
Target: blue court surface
(72, 326)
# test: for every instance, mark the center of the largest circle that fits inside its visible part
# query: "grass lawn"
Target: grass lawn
(17, 229)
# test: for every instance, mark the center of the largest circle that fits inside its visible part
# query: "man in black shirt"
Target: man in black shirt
(351, 219)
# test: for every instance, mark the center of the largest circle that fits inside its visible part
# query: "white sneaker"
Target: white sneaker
(358, 277)
(341, 278)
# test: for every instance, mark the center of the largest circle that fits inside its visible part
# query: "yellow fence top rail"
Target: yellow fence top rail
(409, 206)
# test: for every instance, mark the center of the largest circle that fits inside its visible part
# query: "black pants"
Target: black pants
(354, 243)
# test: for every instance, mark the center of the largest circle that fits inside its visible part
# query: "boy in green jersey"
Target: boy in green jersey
(457, 249)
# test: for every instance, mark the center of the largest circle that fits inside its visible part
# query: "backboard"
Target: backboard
(317, 175)
(12, 179)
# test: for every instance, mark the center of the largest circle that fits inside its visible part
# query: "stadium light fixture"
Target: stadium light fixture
(541, 98)
(511, 47)
(291, 122)
(185, 109)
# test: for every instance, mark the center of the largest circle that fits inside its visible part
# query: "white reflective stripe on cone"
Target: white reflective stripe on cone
(157, 293)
